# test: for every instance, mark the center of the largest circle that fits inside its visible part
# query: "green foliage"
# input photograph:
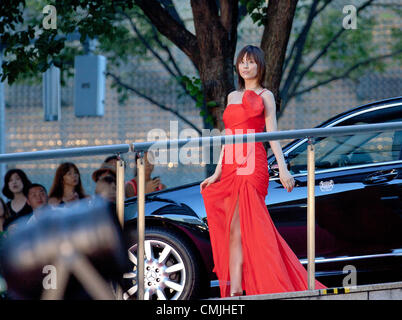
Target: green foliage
(194, 88)
(124, 43)
(124, 35)
(344, 53)
(396, 35)
(353, 47)
(351, 55)
(257, 10)
(30, 49)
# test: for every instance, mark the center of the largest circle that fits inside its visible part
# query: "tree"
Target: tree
(353, 51)
(348, 54)
(123, 33)
(212, 47)
(31, 49)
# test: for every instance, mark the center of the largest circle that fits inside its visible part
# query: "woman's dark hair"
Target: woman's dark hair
(57, 189)
(25, 181)
(258, 56)
(110, 158)
(6, 213)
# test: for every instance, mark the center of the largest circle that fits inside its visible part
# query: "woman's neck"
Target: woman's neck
(19, 197)
(251, 84)
(68, 189)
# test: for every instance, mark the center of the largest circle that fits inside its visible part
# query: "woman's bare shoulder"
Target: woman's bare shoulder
(268, 97)
(267, 93)
(234, 92)
(232, 96)
(269, 101)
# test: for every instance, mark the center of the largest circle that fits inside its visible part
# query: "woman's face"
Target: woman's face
(106, 190)
(149, 167)
(71, 178)
(15, 183)
(248, 68)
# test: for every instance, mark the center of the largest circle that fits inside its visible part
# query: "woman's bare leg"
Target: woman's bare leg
(235, 253)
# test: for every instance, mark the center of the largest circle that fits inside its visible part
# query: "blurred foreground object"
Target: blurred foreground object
(84, 241)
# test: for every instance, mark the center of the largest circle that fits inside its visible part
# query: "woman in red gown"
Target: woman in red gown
(249, 253)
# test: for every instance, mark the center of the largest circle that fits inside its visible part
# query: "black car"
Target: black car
(358, 214)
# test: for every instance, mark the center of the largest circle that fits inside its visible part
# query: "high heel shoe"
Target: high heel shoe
(237, 294)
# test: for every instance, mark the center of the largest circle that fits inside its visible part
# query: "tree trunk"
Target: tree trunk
(275, 41)
(216, 37)
(211, 49)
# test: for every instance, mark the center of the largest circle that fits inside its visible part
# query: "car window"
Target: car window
(356, 149)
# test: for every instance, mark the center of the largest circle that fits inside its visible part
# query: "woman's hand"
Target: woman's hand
(208, 181)
(71, 197)
(152, 185)
(287, 180)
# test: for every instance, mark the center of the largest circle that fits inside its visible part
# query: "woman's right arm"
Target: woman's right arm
(216, 175)
(218, 169)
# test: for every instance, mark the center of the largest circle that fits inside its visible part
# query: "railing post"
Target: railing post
(140, 225)
(120, 191)
(120, 196)
(311, 213)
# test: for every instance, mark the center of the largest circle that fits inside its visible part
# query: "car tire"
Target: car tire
(172, 269)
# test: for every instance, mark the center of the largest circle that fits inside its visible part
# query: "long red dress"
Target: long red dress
(269, 265)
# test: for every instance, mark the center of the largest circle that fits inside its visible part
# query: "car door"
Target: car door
(358, 198)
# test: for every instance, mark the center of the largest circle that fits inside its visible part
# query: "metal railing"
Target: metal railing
(142, 147)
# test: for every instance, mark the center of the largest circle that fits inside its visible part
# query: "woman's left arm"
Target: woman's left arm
(271, 125)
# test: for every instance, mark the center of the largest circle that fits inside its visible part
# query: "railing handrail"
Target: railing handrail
(177, 143)
(265, 136)
(65, 152)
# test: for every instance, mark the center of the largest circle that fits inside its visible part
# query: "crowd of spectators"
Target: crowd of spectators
(26, 200)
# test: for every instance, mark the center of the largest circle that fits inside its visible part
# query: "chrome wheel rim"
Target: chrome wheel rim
(164, 272)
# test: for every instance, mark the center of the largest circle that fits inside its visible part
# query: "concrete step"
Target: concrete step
(380, 291)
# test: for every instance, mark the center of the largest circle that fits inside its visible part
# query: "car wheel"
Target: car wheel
(171, 268)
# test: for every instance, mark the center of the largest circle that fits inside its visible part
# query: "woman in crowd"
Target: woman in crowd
(15, 183)
(67, 186)
(3, 214)
(151, 184)
(106, 188)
